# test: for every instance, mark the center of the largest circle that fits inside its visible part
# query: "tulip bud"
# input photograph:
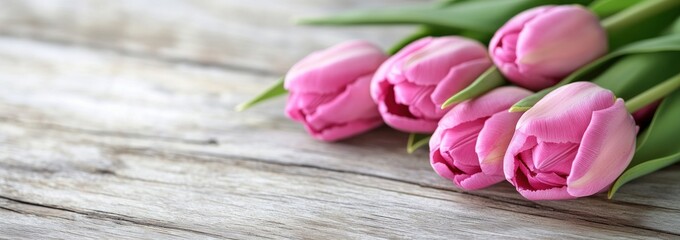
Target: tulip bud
(330, 90)
(471, 140)
(540, 46)
(573, 143)
(411, 86)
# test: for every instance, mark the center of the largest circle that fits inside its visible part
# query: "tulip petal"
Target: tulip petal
(606, 149)
(539, 46)
(411, 85)
(459, 142)
(503, 45)
(493, 141)
(440, 165)
(476, 181)
(436, 139)
(527, 185)
(430, 64)
(331, 69)
(554, 157)
(446, 166)
(425, 108)
(531, 82)
(384, 74)
(301, 105)
(515, 25)
(401, 119)
(530, 180)
(547, 194)
(519, 143)
(546, 46)
(398, 116)
(563, 115)
(352, 104)
(346, 130)
(458, 78)
(497, 100)
(417, 98)
(332, 117)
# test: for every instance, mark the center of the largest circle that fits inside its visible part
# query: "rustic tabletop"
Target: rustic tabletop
(116, 121)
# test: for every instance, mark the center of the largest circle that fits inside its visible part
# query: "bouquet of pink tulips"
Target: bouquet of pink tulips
(570, 98)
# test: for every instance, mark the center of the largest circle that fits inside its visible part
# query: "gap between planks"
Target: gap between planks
(526, 208)
(39, 125)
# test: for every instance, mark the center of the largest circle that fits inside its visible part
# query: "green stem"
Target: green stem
(490, 79)
(653, 94)
(639, 12)
(273, 91)
(416, 140)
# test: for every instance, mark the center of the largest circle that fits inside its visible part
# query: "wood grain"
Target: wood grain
(255, 35)
(130, 142)
(221, 196)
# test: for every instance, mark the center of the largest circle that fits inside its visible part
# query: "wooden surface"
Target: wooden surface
(116, 122)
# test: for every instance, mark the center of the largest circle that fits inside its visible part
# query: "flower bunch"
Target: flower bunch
(565, 101)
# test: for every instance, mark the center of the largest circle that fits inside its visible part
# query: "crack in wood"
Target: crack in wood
(587, 218)
(105, 215)
(11, 210)
(569, 214)
(592, 221)
(210, 157)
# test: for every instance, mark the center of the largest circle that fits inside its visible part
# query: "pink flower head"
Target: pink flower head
(469, 144)
(330, 90)
(411, 86)
(573, 143)
(540, 46)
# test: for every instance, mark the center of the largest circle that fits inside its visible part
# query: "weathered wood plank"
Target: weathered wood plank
(146, 105)
(153, 146)
(236, 198)
(244, 34)
(29, 221)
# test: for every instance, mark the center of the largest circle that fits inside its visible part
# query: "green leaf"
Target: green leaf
(271, 92)
(647, 19)
(658, 146)
(634, 74)
(416, 140)
(478, 16)
(426, 30)
(606, 8)
(444, 3)
(661, 137)
(675, 27)
(668, 43)
(643, 169)
(526, 103)
(653, 94)
(490, 79)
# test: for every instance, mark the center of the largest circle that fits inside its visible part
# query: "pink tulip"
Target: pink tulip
(644, 116)
(411, 86)
(330, 90)
(469, 144)
(573, 143)
(540, 46)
